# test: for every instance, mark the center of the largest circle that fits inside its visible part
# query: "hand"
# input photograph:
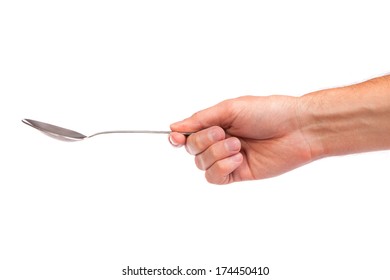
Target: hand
(245, 138)
(251, 137)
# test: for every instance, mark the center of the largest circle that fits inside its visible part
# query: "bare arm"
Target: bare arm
(252, 137)
(347, 120)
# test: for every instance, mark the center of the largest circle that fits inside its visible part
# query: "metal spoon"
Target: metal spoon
(65, 134)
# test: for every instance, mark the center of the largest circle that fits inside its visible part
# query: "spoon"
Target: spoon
(65, 134)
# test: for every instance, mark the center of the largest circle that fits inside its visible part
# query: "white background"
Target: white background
(86, 210)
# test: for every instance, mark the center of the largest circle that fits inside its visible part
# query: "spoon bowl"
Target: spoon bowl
(68, 135)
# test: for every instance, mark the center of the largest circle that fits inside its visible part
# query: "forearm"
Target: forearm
(347, 120)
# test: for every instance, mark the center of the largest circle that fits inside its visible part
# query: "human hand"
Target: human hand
(245, 138)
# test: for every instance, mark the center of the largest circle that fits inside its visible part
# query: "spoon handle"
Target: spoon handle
(139, 131)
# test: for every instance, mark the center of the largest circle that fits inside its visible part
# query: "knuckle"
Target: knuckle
(197, 141)
(214, 178)
(213, 153)
(230, 104)
(195, 115)
(219, 167)
(210, 177)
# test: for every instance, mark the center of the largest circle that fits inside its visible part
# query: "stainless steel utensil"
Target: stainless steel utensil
(65, 134)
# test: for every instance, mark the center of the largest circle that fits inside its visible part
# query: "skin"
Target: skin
(253, 137)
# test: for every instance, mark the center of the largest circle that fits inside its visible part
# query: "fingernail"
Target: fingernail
(232, 144)
(236, 157)
(190, 150)
(214, 135)
(172, 141)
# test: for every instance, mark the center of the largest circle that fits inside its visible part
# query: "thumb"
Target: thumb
(217, 115)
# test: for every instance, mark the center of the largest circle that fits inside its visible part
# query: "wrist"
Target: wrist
(311, 127)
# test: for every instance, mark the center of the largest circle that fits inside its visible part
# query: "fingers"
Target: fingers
(219, 159)
(218, 151)
(221, 171)
(214, 153)
(197, 142)
(200, 141)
